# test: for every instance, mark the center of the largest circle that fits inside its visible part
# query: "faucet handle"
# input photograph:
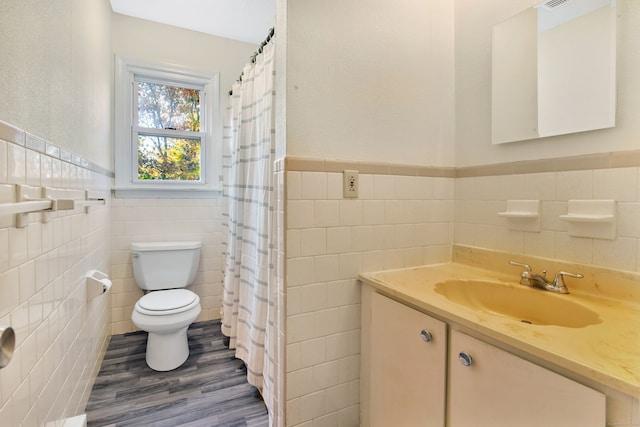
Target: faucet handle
(526, 267)
(558, 280)
(525, 276)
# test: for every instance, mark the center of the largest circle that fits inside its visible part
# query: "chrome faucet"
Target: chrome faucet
(528, 278)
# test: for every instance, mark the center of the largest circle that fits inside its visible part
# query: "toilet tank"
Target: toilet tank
(165, 265)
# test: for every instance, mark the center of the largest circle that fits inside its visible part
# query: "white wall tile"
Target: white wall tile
(9, 291)
(510, 187)
(3, 162)
(56, 173)
(383, 187)
(300, 213)
(415, 211)
(312, 406)
(628, 224)
(27, 281)
(300, 271)
(550, 215)
(293, 243)
(394, 212)
(618, 184)
(293, 357)
(313, 352)
(32, 167)
(350, 212)
(326, 213)
(575, 249)
(300, 382)
(313, 241)
(294, 186)
(334, 186)
(373, 212)
(509, 240)
(16, 164)
(313, 185)
(540, 186)
(300, 327)
(18, 250)
(361, 238)
(406, 188)
(464, 188)
(325, 375)
(574, 185)
(4, 250)
(367, 186)
(338, 240)
(343, 344)
(326, 268)
(620, 254)
(383, 237)
(486, 188)
(313, 297)
(350, 265)
(403, 236)
(541, 244)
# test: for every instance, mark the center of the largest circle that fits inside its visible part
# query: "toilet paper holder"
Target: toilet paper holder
(97, 283)
(7, 345)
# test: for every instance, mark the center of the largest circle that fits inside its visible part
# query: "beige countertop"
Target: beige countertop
(607, 352)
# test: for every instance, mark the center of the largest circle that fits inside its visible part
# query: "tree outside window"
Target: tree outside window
(168, 132)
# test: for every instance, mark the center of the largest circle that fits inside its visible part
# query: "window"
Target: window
(167, 125)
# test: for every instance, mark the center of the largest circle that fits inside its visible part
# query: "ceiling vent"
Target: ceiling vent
(552, 4)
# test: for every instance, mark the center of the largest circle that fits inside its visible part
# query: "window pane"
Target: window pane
(165, 158)
(168, 107)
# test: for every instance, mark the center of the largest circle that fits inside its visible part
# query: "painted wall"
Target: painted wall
(149, 41)
(56, 131)
(370, 81)
(473, 90)
(56, 74)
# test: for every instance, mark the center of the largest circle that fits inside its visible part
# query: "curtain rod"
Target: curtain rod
(258, 51)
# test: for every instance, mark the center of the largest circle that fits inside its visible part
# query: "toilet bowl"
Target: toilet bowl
(166, 311)
(166, 316)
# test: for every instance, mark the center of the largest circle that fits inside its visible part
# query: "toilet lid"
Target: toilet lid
(167, 300)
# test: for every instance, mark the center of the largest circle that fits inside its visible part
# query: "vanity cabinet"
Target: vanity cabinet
(490, 387)
(405, 365)
(411, 378)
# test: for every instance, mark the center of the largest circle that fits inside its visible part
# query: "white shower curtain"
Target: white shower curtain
(248, 305)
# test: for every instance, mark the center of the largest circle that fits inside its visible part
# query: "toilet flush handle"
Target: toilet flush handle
(135, 255)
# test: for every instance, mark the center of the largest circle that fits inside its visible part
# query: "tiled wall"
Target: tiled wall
(397, 221)
(404, 219)
(144, 220)
(277, 322)
(60, 336)
(479, 199)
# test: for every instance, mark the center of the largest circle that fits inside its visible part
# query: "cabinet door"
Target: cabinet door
(500, 389)
(407, 366)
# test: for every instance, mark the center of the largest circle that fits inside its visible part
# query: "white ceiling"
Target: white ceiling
(244, 20)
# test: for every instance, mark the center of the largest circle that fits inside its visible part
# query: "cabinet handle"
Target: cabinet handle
(426, 336)
(465, 359)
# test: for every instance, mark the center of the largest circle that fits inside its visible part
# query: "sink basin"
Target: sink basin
(533, 306)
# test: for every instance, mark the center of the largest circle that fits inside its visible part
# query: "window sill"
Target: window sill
(165, 193)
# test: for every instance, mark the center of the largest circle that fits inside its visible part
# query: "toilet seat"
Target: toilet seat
(171, 301)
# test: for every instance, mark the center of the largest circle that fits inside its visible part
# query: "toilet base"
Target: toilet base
(167, 351)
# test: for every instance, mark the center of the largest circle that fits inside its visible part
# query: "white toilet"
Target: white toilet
(166, 310)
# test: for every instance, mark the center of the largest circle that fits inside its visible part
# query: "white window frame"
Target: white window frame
(126, 143)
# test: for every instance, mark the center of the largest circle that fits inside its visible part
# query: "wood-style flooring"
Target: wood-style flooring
(209, 390)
